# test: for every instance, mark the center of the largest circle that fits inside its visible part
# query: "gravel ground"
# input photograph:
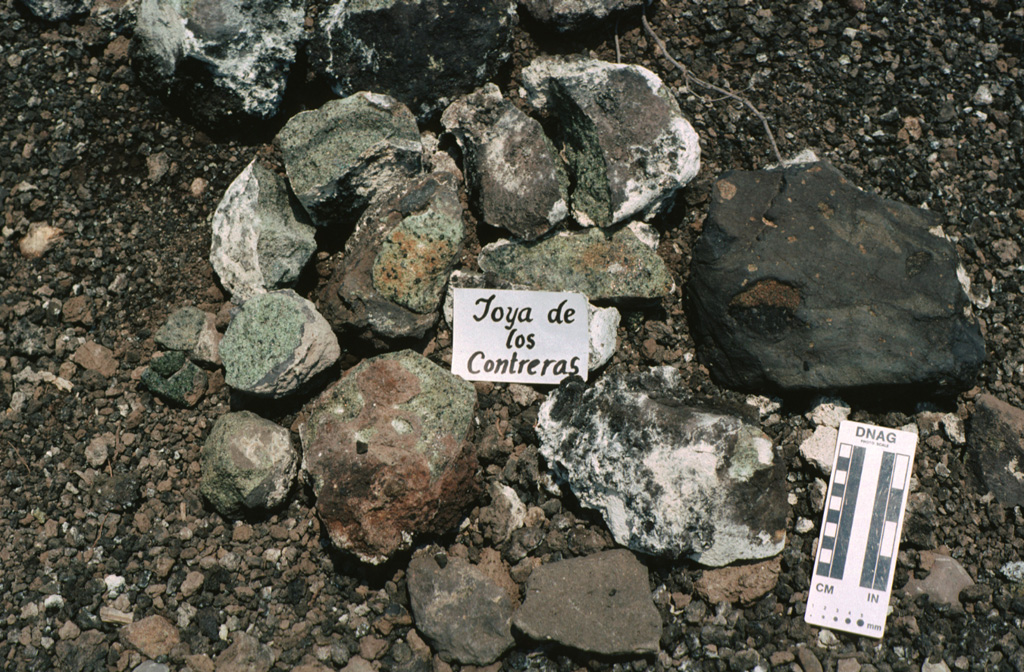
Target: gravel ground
(920, 101)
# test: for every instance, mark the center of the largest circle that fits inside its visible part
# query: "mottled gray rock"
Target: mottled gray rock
(425, 53)
(572, 15)
(341, 154)
(996, 440)
(276, 345)
(56, 10)
(192, 331)
(669, 478)
(227, 61)
(600, 603)
(397, 262)
(248, 463)
(465, 615)
(262, 238)
(175, 379)
(601, 264)
(801, 281)
(629, 148)
(513, 171)
(385, 451)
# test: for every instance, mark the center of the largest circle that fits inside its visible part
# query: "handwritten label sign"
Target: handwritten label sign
(519, 337)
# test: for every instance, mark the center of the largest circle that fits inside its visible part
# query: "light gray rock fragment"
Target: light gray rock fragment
(343, 153)
(227, 60)
(600, 603)
(669, 478)
(464, 614)
(819, 449)
(193, 332)
(276, 345)
(262, 238)
(514, 172)
(604, 327)
(248, 463)
(629, 148)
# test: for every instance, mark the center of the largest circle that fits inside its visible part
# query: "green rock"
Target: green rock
(276, 344)
(181, 330)
(175, 379)
(603, 266)
(338, 155)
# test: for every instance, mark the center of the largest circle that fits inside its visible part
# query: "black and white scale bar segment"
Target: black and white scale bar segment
(885, 516)
(842, 504)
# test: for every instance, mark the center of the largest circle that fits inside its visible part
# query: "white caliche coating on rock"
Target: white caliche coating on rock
(260, 241)
(669, 478)
(819, 449)
(244, 51)
(604, 327)
(829, 411)
(629, 151)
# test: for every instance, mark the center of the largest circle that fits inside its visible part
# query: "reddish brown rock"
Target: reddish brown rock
(385, 450)
(741, 583)
(95, 357)
(153, 636)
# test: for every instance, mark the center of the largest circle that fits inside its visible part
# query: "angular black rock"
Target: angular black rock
(802, 282)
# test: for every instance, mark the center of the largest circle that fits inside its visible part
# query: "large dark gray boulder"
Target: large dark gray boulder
(801, 281)
(512, 169)
(226, 60)
(425, 53)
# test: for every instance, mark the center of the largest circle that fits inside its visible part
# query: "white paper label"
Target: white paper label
(851, 580)
(519, 337)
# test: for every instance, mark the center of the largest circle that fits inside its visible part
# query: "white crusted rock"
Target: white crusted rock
(670, 478)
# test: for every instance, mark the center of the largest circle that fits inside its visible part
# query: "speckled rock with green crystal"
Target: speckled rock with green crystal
(385, 451)
(277, 344)
(396, 263)
(339, 155)
(175, 379)
(248, 462)
(602, 265)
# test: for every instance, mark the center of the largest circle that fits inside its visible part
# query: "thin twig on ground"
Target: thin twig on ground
(691, 78)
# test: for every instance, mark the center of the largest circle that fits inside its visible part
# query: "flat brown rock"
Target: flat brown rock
(601, 604)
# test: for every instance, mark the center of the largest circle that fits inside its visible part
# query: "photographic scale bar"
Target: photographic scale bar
(861, 526)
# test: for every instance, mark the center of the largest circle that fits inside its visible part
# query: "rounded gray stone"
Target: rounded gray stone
(248, 463)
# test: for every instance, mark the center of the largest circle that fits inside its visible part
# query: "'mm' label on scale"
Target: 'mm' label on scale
(520, 336)
(860, 530)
